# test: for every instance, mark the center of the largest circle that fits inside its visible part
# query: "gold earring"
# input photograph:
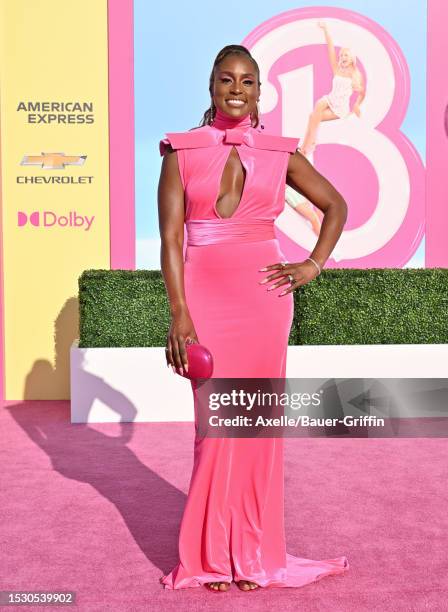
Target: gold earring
(259, 117)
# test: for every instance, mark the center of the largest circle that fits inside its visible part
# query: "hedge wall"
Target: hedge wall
(346, 306)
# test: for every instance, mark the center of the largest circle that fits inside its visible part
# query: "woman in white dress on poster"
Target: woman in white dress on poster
(336, 105)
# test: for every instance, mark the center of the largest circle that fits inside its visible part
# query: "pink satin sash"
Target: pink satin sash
(215, 231)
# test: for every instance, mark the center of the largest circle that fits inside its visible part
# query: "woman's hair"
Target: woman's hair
(352, 55)
(228, 50)
(357, 79)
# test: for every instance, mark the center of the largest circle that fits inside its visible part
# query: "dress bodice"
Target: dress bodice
(202, 154)
(342, 86)
(339, 97)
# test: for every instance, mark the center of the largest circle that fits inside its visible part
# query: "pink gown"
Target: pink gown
(233, 523)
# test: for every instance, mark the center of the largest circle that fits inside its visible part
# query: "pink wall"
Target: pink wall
(2, 331)
(121, 146)
(436, 254)
(121, 134)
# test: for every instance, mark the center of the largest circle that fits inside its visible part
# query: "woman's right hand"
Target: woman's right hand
(322, 25)
(181, 331)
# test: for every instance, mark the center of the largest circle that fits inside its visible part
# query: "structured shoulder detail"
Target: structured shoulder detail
(272, 142)
(207, 136)
(194, 139)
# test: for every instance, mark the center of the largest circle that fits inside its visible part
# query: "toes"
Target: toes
(246, 585)
(218, 586)
(243, 584)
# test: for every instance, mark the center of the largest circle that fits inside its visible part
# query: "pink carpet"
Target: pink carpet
(96, 510)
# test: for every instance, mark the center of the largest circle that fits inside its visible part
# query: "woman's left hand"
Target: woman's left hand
(301, 273)
(357, 110)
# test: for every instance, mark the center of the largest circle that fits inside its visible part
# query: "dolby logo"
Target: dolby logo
(48, 218)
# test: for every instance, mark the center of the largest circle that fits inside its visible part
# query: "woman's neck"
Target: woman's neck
(223, 121)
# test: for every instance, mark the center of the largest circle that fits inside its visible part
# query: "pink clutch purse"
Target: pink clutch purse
(200, 361)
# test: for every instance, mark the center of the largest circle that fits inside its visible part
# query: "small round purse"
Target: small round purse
(200, 361)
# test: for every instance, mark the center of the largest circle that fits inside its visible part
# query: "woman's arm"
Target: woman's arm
(358, 85)
(303, 177)
(331, 52)
(171, 226)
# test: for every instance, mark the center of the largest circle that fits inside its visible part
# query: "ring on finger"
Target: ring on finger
(291, 278)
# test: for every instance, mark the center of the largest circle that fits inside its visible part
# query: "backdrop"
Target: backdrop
(79, 172)
(376, 160)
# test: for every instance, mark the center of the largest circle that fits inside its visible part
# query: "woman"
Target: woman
(336, 105)
(226, 181)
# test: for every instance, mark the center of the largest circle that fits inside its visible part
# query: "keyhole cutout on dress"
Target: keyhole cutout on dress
(231, 187)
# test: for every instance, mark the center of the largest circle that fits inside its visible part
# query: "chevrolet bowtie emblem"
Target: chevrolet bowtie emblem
(53, 161)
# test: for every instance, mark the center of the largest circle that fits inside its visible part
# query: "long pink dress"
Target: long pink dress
(233, 523)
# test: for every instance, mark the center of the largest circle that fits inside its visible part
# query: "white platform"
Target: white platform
(134, 384)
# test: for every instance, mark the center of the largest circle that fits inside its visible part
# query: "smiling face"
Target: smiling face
(345, 58)
(235, 89)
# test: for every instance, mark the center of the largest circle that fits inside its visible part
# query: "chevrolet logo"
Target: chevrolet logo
(53, 161)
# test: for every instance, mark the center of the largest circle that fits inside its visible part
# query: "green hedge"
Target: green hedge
(374, 306)
(347, 306)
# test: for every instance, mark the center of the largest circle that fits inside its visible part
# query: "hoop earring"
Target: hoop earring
(258, 115)
(254, 115)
